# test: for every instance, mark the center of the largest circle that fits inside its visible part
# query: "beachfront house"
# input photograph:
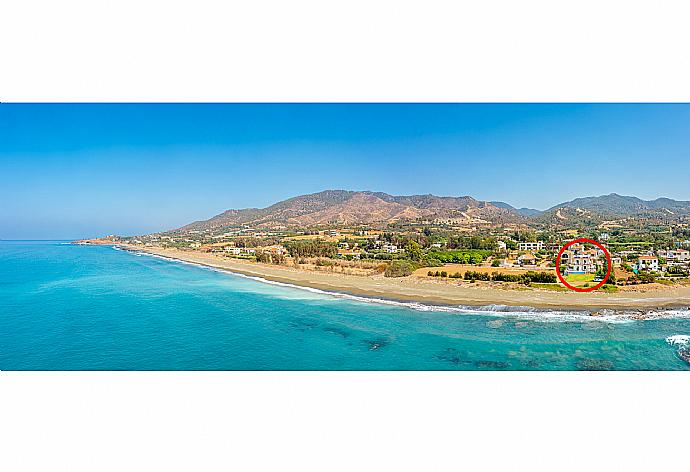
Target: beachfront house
(578, 260)
(527, 260)
(582, 264)
(648, 263)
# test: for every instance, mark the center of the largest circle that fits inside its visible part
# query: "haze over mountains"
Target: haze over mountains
(365, 207)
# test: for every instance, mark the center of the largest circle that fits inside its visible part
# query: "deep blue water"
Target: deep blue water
(66, 307)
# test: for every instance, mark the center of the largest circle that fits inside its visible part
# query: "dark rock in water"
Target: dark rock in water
(334, 330)
(492, 364)
(594, 364)
(684, 354)
(303, 325)
(450, 355)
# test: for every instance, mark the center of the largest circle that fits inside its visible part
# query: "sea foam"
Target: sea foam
(678, 340)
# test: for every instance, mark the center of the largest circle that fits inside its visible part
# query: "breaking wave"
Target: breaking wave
(678, 340)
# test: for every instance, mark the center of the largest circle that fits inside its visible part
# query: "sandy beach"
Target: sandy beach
(416, 289)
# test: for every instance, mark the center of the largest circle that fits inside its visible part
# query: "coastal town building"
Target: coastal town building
(649, 263)
(527, 260)
(391, 248)
(277, 249)
(535, 246)
(679, 255)
(450, 221)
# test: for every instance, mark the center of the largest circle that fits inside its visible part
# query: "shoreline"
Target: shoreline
(635, 305)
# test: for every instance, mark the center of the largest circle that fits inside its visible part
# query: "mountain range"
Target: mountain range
(365, 207)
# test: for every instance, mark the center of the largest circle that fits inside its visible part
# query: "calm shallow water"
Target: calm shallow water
(68, 307)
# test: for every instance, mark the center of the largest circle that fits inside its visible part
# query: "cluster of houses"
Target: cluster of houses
(578, 259)
(387, 247)
(672, 258)
(675, 256)
(231, 249)
(663, 261)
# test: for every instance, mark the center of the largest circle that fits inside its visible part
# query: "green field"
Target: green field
(580, 279)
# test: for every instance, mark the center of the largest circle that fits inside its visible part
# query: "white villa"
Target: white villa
(648, 263)
(579, 260)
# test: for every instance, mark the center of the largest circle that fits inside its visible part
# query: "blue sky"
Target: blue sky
(83, 170)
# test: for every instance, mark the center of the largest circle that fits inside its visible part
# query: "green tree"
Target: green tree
(398, 269)
(413, 251)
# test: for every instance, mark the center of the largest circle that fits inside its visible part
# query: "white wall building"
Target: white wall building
(648, 263)
(538, 246)
(390, 248)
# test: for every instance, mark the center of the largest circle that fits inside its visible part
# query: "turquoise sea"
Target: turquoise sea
(67, 307)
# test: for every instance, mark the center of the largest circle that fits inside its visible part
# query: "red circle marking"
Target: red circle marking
(583, 240)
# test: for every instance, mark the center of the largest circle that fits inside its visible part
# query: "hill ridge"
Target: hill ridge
(336, 206)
